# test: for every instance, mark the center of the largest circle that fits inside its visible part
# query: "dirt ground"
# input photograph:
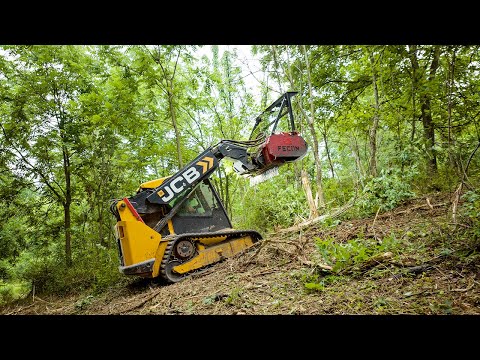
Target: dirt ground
(433, 269)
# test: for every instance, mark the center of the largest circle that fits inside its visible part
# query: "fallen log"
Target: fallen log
(320, 218)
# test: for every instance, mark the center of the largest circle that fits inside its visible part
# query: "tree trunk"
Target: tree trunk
(66, 207)
(220, 185)
(275, 62)
(327, 149)
(373, 129)
(168, 88)
(175, 128)
(227, 198)
(451, 76)
(356, 155)
(426, 115)
(414, 62)
(297, 166)
(308, 192)
(100, 228)
(318, 166)
(428, 127)
(429, 135)
(68, 248)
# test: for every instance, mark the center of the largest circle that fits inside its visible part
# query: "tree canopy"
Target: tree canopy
(82, 125)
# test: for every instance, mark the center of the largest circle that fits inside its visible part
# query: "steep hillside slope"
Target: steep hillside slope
(410, 260)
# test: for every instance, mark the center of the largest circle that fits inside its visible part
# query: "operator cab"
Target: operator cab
(202, 211)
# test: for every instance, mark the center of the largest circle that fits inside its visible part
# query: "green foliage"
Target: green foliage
(342, 256)
(276, 202)
(386, 191)
(84, 302)
(353, 252)
(5, 269)
(471, 210)
(97, 270)
(12, 291)
(380, 303)
(471, 206)
(339, 190)
(318, 283)
(112, 117)
(36, 269)
(234, 296)
(313, 286)
(209, 300)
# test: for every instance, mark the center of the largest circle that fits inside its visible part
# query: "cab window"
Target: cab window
(198, 204)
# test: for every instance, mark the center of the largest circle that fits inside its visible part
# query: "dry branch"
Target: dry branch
(263, 243)
(308, 193)
(373, 225)
(141, 303)
(418, 269)
(415, 208)
(316, 220)
(368, 264)
(313, 264)
(37, 298)
(376, 260)
(464, 290)
(456, 199)
(429, 204)
(21, 309)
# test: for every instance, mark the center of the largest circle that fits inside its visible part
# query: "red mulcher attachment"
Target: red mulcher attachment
(281, 148)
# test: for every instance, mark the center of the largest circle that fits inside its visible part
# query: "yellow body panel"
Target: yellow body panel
(214, 254)
(170, 227)
(212, 240)
(152, 184)
(138, 241)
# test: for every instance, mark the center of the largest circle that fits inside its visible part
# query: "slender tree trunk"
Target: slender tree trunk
(297, 166)
(68, 235)
(373, 129)
(327, 149)
(451, 74)
(429, 135)
(426, 115)
(275, 62)
(288, 71)
(168, 88)
(100, 227)
(356, 155)
(414, 62)
(220, 187)
(175, 128)
(308, 193)
(103, 185)
(399, 140)
(428, 127)
(318, 166)
(449, 106)
(227, 197)
(66, 207)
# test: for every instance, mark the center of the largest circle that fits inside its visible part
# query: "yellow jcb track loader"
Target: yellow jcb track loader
(177, 225)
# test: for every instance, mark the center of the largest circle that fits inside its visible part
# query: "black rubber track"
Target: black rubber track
(168, 255)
